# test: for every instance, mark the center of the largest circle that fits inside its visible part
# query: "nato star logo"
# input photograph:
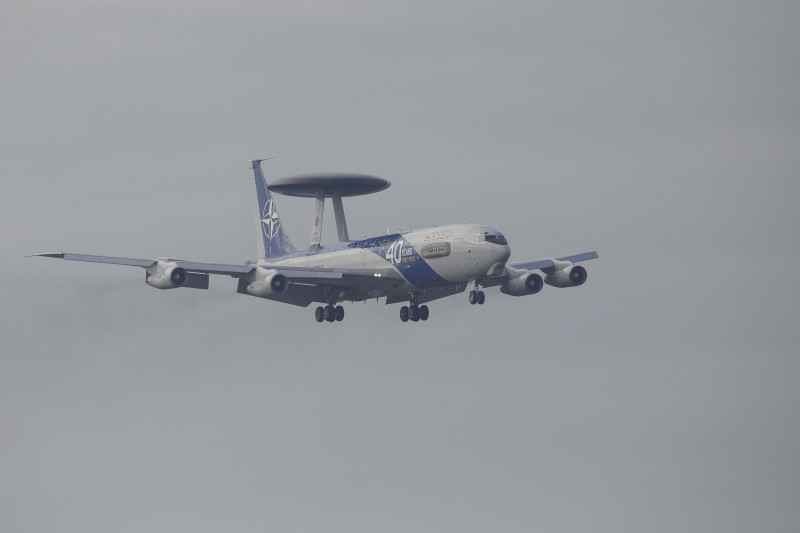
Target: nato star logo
(270, 220)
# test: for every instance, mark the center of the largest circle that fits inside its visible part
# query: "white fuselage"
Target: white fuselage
(426, 258)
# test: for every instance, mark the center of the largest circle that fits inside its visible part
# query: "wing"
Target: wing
(548, 263)
(348, 278)
(144, 263)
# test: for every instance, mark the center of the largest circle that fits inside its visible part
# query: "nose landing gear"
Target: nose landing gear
(477, 296)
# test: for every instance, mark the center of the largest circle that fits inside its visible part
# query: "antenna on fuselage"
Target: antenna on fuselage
(328, 185)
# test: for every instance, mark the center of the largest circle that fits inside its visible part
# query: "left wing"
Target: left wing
(560, 272)
(549, 263)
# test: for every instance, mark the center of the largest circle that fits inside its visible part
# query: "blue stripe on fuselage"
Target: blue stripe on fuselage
(397, 251)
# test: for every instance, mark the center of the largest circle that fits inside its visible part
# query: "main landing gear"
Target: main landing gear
(414, 313)
(477, 296)
(329, 313)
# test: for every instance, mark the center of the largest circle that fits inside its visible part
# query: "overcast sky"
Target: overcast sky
(663, 395)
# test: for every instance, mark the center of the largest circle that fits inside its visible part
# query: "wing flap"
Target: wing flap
(213, 268)
(347, 278)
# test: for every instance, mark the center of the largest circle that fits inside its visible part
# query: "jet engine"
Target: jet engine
(567, 276)
(164, 275)
(268, 283)
(526, 283)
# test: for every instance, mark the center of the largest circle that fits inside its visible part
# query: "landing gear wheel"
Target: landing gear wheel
(339, 313)
(413, 313)
(319, 314)
(404, 313)
(330, 313)
(424, 312)
(481, 297)
(473, 297)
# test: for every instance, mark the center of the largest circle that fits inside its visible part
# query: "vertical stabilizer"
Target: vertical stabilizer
(272, 240)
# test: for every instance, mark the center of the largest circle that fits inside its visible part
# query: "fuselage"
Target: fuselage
(426, 258)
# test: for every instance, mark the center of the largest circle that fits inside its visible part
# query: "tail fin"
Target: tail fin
(272, 240)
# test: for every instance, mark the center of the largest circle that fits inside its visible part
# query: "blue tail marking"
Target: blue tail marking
(276, 243)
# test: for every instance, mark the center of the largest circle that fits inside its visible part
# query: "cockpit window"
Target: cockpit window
(496, 238)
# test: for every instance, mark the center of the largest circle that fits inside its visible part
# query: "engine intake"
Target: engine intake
(163, 275)
(268, 283)
(570, 276)
(523, 285)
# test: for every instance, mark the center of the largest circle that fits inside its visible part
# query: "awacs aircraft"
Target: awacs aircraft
(414, 267)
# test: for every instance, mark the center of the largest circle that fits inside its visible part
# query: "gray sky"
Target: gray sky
(661, 396)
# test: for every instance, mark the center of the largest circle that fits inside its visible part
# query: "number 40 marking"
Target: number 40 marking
(395, 252)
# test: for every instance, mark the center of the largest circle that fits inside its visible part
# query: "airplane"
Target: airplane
(414, 267)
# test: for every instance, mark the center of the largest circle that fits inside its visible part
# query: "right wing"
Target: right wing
(144, 263)
(190, 266)
(352, 278)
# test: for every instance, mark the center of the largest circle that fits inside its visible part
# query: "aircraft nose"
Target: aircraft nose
(500, 254)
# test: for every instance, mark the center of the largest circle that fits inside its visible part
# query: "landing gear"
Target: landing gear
(414, 313)
(477, 296)
(329, 313)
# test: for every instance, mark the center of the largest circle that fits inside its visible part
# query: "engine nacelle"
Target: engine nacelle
(163, 275)
(569, 276)
(268, 283)
(523, 285)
